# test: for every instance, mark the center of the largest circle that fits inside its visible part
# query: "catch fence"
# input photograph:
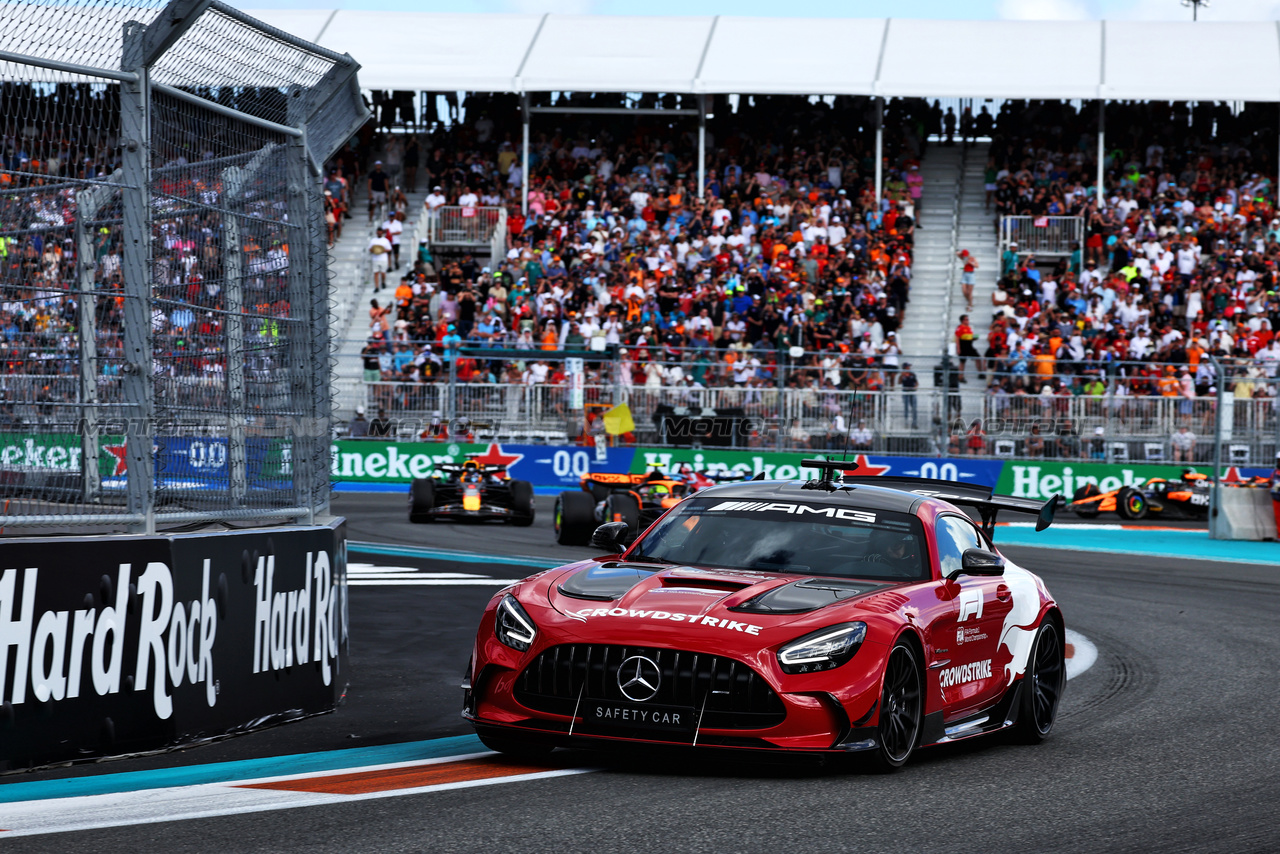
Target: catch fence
(164, 298)
(1123, 412)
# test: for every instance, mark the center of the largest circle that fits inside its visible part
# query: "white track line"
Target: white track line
(154, 806)
(1084, 654)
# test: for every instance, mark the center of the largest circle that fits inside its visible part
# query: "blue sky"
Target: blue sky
(1218, 10)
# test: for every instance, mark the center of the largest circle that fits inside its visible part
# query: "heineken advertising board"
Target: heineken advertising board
(1043, 478)
(373, 461)
(196, 463)
(201, 463)
(788, 466)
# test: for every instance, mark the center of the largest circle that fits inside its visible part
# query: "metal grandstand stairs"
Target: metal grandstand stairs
(353, 288)
(921, 335)
(977, 233)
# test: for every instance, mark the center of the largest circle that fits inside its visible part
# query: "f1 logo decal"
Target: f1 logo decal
(970, 604)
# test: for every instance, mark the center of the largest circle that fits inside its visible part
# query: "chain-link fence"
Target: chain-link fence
(163, 288)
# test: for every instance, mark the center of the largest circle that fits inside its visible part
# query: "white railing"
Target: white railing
(453, 225)
(1042, 235)
(498, 243)
(506, 410)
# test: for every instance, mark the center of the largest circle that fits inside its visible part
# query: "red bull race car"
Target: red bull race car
(864, 616)
(472, 491)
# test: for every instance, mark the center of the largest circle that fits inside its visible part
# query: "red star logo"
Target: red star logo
(494, 457)
(117, 451)
(866, 468)
(1232, 475)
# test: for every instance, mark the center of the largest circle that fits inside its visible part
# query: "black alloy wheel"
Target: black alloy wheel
(1042, 685)
(901, 708)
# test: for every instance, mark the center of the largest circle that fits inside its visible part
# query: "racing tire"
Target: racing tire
(621, 507)
(1131, 503)
(1086, 511)
(517, 749)
(522, 503)
(422, 497)
(1042, 686)
(901, 709)
(575, 518)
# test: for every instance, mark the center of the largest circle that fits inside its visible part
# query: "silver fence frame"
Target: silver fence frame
(1054, 237)
(321, 115)
(453, 226)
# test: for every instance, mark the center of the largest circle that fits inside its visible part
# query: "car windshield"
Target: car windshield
(808, 537)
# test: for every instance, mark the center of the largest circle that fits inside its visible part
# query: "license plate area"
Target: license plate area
(612, 716)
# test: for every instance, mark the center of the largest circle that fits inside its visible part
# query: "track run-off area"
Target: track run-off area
(1164, 740)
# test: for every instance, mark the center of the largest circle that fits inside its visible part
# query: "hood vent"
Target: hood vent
(810, 594)
(607, 581)
(706, 582)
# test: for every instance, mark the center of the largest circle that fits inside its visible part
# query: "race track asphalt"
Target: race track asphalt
(1167, 744)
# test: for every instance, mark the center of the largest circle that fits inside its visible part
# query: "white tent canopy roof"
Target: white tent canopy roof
(735, 55)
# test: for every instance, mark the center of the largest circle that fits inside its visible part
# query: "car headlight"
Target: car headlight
(513, 626)
(822, 650)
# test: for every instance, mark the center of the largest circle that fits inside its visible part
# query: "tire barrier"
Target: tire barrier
(119, 645)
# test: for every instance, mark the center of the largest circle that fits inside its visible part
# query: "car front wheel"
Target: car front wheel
(901, 709)
(1042, 686)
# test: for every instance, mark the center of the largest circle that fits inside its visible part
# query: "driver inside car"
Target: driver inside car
(895, 550)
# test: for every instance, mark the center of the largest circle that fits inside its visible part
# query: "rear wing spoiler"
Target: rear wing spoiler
(978, 497)
(482, 468)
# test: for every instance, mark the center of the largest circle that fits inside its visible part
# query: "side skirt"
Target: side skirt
(1002, 715)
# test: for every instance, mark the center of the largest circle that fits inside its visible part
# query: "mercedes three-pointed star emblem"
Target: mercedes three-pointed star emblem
(639, 678)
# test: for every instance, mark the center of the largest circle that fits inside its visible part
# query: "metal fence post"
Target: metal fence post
(321, 373)
(234, 179)
(300, 323)
(88, 203)
(451, 410)
(1214, 497)
(139, 367)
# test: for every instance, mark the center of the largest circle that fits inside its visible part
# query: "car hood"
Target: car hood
(692, 594)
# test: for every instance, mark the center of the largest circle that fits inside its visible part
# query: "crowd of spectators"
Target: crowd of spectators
(787, 248)
(1179, 261)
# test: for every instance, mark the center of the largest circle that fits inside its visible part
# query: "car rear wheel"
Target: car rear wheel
(1090, 510)
(575, 518)
(1131, 503)
(517, 749)
(901, 709)
(1042, 686)
(522, 503)
(622, 507)
(422, 497)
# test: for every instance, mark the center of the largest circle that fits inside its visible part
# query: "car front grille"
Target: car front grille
(735, 696)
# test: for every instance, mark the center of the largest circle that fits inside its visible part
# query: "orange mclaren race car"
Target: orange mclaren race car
(1187, 497)
(637, 499)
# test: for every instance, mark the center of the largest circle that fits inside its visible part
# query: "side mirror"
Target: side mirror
(979, 562)
(609, 536)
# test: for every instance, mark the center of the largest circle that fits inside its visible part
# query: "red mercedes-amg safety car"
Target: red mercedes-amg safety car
(869, 615)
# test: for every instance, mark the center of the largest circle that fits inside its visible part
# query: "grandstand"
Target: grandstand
(787, 247)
